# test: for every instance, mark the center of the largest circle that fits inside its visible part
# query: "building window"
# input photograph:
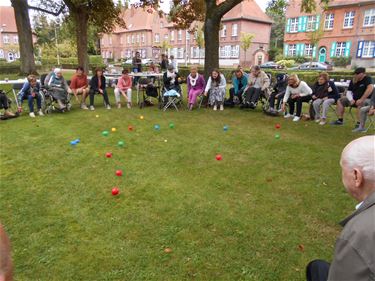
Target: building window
(292, 50)
(133, 41)
(222, 52)
(311, 23)
(187, 35)
(349, 19)
(1, 54)
(6, 39)
(179, 35)
(10, 57)
(157, 38)
(180, 53)
(340, 49)
(235, 51)
(368, 49)
(308, 50)
(138, 38)
(224, 31)
(110, 40)
(166, 37)
(293, 24)
(235, 29)
(228, 50)
(328, 23)
(128, 39)
(369, 19)
(172, 35)
(15, 39)
(143, 38)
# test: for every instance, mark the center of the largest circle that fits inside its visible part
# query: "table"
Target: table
(145, 75)
(11, 82)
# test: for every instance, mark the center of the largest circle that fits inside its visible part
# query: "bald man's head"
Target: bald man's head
(358, 167)
(6, 271)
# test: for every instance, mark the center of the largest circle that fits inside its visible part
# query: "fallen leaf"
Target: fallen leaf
(167, 250)
(301, 247)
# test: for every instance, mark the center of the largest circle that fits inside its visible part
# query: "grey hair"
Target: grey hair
(360, 154)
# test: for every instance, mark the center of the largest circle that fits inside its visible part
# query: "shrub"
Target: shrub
(341, 61)
(286, 63)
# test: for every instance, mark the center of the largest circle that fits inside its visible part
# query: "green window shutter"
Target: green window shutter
(314, 52)
(302, 50)
(300, 24)
(288, 26)
(317, 22)
(347, 48)
(333, 49)
(304, 24)
(298, 47)
(285, 50)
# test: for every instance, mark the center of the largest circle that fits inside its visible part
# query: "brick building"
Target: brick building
(146, 32)
(9, 48)
(349, 31)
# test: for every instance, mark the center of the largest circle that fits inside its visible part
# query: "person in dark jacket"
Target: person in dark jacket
(354, 258)
(324, 94)
(4, 104)
(164, 62)
(278, 92)
(97, 86)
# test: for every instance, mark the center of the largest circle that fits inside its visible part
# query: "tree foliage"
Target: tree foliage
(276, 11)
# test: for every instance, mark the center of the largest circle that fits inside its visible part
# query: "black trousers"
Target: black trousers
(317, 270)
(4, 101)
(299, 102)
(92, 95)
(232, 94)
(272, 99)
(252, 95)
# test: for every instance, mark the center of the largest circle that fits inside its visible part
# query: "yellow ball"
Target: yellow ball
(141, 117)
(113, 129)
(97, 116)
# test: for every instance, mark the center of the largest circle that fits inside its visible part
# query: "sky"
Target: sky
(261, 3)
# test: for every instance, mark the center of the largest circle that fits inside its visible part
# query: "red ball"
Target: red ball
(115, 191)
(108, 155)
(130, 128)
(277, 126)
(219, 157)
(119, 173)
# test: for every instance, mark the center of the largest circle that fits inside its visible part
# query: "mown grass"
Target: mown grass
(243, 218)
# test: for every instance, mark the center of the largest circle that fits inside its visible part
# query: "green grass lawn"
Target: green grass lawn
(243, 218)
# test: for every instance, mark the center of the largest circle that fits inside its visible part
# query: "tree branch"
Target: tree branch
(47, 11)
(225, 6)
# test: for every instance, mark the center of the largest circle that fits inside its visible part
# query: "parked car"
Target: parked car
(313, 66)
(271, 65)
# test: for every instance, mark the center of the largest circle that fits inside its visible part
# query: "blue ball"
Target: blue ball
(77, 140)
(73, 143)
(157, 127)
(225, 128)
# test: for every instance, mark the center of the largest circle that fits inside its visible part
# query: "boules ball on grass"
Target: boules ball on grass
(113, 129)
(141, 117)
(119, 173)
(219, 157)
(97, 116)
(121, 143)
(73, 143)
(157, 127)
(171, 125)
(277, 136)
(225, 128)
(115, 191)
(105, 133)
(130, 128)
(108, 155)
(277, 126)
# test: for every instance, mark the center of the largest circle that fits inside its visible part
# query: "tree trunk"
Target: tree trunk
(81, 19)
(211, 39)
(25, 38)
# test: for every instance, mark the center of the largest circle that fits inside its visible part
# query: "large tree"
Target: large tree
(25, 37)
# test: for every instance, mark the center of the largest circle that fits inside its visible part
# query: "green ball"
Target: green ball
(171, 125)
(121, 143)
(277, 136)
(105, 133)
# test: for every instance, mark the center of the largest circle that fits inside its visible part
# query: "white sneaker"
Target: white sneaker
(108, 106)
(40, 112)
(288, 115)
(32, 114)
(221, 107)
(296, 119)
(129, 105)
(317, 120)
(119, 105)
(215, 107)
(84, 106)
(92, 107)
(322, 122)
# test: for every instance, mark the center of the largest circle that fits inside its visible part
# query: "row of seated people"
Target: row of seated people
(246, 91)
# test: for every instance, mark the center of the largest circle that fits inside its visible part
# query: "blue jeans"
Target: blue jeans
(30, 101)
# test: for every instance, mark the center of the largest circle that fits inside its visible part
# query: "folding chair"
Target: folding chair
(371, 123)
(173, 99)
(16, 88)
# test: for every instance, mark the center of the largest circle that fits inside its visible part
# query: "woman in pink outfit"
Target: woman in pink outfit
(195, 86)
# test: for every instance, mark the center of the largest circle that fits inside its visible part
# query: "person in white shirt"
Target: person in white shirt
(215, 89)
(296, 92)
(174, 63)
